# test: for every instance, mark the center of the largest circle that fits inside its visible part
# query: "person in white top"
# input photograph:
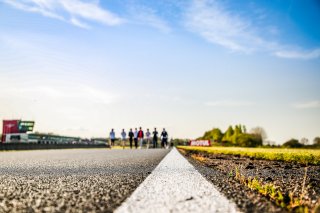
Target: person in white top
(135, 138)
(112, 137)
(123, 137)
(148, 138)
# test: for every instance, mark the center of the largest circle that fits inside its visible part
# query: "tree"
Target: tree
(244, 128)
(228, 134)
(215, 134)
(249, 140)
(259, 131)
(304, 141)
(269, 143)
(237, 136)
(316, 141)
(206, 135)
(237, 132)
(293, 143)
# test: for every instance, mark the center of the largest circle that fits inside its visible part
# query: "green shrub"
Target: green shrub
(293, 143)
(248, 140)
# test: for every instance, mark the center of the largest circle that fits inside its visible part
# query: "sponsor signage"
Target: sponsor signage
(15, 127)
(200, 143)
(26, 126)
(10, 126)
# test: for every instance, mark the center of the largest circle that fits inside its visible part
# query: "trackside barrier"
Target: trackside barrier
(200, 143)
(30, 146)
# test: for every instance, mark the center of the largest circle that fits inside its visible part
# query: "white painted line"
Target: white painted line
(176, 186)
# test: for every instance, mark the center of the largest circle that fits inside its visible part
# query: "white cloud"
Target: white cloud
(90, 11)
(307, 105)
(57, 106)
(212, 21)
(39, 7)
(215, 24)
(147, 16)
(68, 10)
(228, 103)
(312, 54)
(45, 93)
(78, 23)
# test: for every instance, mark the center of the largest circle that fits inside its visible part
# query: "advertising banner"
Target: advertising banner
(15, 127)
(26, 126)
(9, 126)
(200, 143)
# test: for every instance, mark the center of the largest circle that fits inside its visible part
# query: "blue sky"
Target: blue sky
(83, 67)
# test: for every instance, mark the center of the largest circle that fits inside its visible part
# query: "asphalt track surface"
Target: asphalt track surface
(175, 186)
(72, 180)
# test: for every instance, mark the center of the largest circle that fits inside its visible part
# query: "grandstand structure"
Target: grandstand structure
(19, 131)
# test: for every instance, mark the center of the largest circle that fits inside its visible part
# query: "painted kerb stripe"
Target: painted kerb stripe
(176, 186)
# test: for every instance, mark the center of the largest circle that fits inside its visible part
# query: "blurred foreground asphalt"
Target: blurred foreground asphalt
(76, 180)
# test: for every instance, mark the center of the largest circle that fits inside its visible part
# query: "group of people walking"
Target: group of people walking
(138, 136)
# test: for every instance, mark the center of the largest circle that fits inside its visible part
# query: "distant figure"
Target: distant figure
(130, 134)
(136, 138)
(112, 137)
(164, 140)
(123, 137)
(155, 138)
(148, 138)
(140, 137)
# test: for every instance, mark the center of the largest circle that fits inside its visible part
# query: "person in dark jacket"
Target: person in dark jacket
(140, 137)
(155, 138)
(164, 140)
(130, 134)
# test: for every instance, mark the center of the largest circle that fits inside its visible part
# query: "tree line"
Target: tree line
(304, 142)
(239, 136)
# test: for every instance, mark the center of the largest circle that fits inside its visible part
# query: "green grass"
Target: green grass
(304, 156)
(274, 193)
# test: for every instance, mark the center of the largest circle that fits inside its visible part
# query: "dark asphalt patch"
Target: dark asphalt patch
(72, 180)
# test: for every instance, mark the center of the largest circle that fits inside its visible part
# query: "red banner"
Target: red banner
(8, 127)
(200, 143)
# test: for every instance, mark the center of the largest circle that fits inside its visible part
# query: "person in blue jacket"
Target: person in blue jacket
(112, 137)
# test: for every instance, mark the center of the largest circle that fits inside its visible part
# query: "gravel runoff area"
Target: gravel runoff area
(175, 186)
(290, 177)
(72, 180)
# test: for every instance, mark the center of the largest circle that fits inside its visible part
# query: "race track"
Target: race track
(75, 180)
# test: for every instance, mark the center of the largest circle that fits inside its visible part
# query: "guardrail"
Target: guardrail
(35, 146)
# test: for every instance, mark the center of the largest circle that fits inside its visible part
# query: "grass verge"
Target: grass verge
(304, 156)
(275, 193)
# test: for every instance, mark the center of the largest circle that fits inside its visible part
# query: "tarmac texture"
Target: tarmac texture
(176, 186)
(72, 180)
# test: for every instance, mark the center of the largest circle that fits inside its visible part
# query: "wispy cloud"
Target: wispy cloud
(39, 7)
(78, 23)
(312, 54)
(211, 21)
(70, 11)
(148, 16)
(307, 105)
(45, 93)
(215, 23)
(228, 103)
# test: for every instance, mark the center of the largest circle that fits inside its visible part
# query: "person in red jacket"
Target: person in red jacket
(140, 137)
